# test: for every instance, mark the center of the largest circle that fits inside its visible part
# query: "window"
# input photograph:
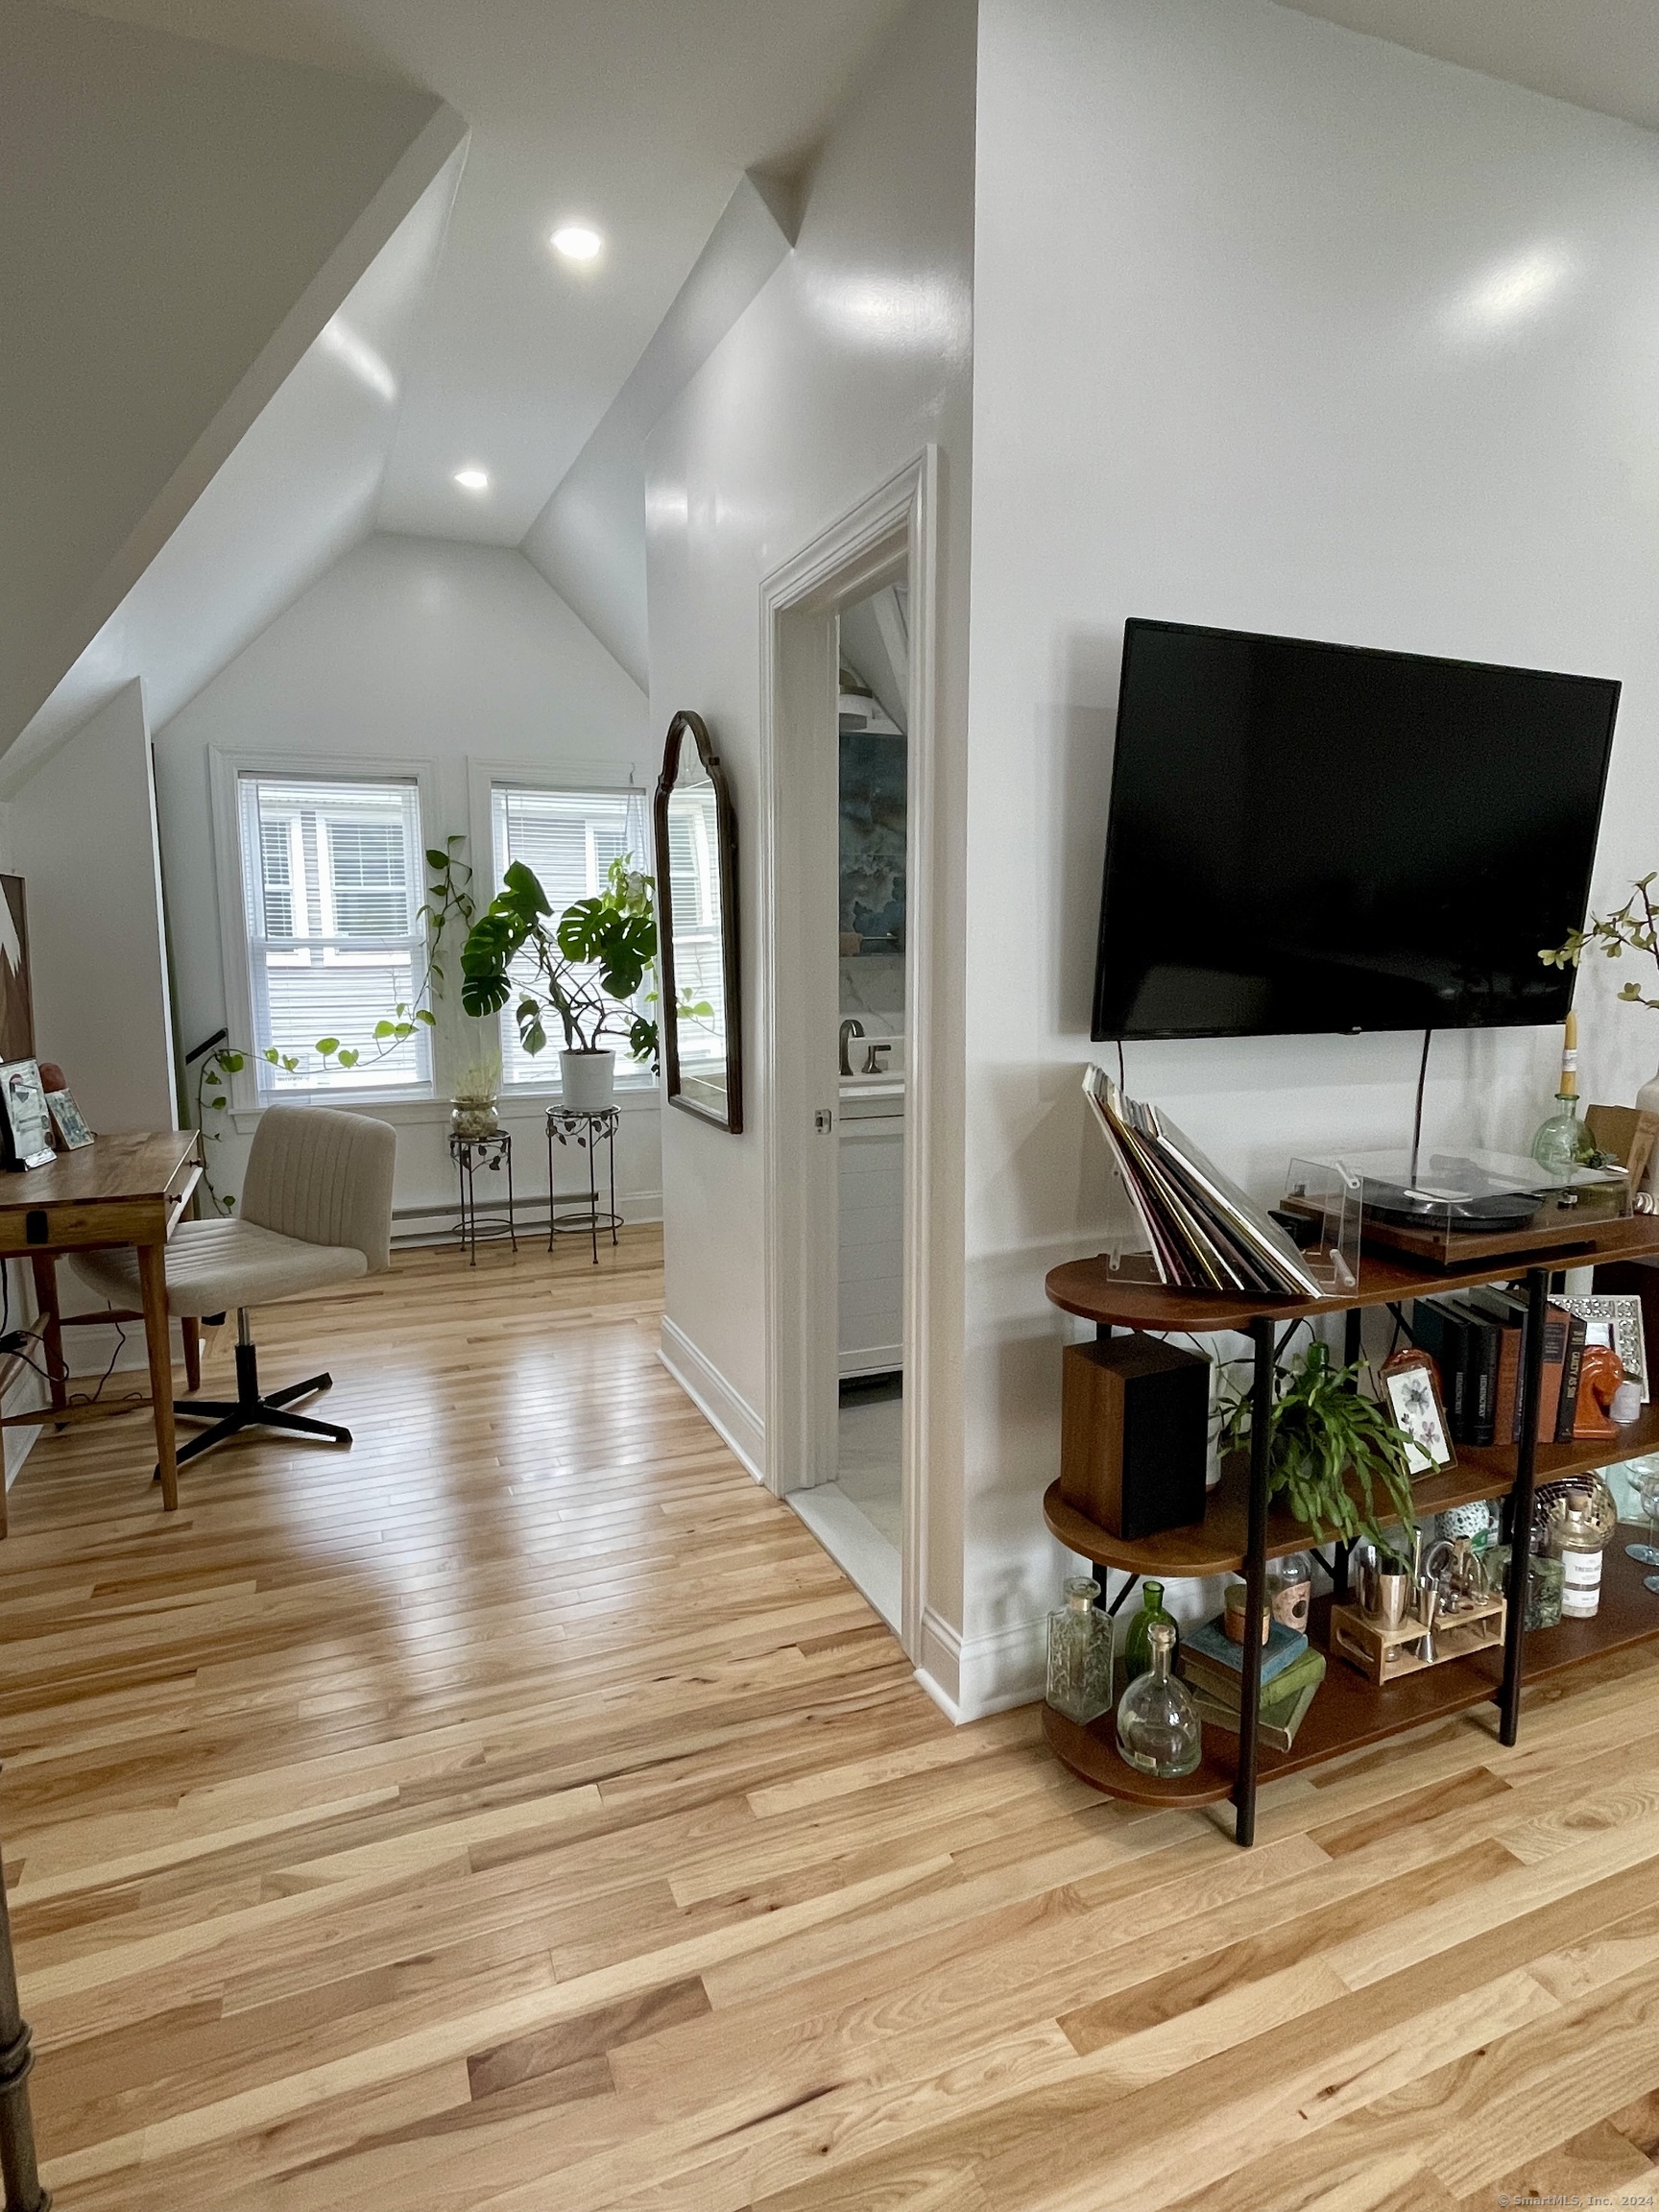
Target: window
(332, 887)
(567, 839)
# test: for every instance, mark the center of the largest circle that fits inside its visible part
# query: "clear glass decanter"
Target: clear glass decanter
(1081, 1654)
(1158, 1731)
(1137, 1646)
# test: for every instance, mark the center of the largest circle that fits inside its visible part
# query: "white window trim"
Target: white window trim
(224, 773)
(581, 774)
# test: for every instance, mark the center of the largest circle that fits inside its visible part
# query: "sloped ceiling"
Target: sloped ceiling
(1599, 54)
(181, 222)
(298, 490)
(639, 116)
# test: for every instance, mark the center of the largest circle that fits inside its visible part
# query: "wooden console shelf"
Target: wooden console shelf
(1349, 1713)
(1239, 1532)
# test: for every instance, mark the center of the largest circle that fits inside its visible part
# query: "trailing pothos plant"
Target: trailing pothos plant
(447, 897)
(584, 971)
(1324, 1430)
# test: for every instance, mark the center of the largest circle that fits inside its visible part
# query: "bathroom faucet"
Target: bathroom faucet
(850, 1028)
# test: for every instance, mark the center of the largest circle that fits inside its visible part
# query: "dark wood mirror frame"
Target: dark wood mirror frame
(687, 724)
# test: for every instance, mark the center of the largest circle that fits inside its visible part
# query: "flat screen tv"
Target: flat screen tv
(1308, 838)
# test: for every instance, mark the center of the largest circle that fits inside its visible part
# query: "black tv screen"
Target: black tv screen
(1312, 837)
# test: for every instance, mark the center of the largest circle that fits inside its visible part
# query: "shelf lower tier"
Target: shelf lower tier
(1350, 1713)
(1216, 1544)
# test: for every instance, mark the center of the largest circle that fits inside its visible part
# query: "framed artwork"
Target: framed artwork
(1411, 1388)
(16, 996)
(28, 1123)
(1622, 1310)
(66, 1116)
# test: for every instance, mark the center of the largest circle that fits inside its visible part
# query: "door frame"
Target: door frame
(891, 535)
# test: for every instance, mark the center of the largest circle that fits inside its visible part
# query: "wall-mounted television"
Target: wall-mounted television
(1307, 837)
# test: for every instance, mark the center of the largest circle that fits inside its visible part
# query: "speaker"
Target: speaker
(1134, 1435)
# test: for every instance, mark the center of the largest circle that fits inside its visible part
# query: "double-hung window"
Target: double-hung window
(567, 839)
(332, 885)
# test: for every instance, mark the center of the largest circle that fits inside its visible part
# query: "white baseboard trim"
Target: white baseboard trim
(971, 1677)
(724, 1408)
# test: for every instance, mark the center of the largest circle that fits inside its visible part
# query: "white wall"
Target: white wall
(181, 222)
(81, 833)
(411, 649)
(1276, 327)
(855, 357)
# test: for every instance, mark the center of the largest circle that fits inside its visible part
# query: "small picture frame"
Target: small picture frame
(1411, 1392)
(25, 1119)
(68, 1120)
(1622, 1310)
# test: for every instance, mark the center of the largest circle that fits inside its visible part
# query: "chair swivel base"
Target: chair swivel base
(250, 1410)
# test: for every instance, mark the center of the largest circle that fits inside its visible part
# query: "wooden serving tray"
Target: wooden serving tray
(1384, 1655)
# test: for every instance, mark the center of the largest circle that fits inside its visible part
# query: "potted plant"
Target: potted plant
(1323, 1432)
(472, 1102)
(585, 969)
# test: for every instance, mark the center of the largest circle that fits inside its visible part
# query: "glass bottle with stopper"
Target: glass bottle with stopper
(1081, 1654)
(1564, 1144)
(1158, 1730)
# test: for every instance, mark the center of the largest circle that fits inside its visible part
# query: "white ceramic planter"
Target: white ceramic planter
(589, 1080)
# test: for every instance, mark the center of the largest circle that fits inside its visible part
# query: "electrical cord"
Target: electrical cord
(1417, 1117)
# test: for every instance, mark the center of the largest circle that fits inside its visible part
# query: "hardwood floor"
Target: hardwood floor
(519, 1811)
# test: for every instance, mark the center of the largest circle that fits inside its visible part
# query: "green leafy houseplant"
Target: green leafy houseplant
(587, 967)
(1633, 927)
(1323, 1431)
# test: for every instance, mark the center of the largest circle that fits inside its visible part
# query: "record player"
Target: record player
(1450, 1207)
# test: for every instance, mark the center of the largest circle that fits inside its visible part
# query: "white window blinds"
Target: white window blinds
(567, 839)
(332, 887)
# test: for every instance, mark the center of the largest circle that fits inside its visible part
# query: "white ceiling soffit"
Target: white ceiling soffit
(1599, 54)
(636, 116)
(589, 538)
(298, 491)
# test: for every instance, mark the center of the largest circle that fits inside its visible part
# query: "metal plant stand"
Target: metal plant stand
(23, 2190)
(470, 1154)
(577, 1215)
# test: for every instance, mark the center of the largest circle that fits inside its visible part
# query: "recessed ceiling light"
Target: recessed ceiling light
(577, 242)
(473, 480)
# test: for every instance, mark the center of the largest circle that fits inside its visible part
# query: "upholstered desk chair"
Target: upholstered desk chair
(316, 1210)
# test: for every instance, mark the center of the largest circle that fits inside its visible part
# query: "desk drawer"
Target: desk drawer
(24, 1228)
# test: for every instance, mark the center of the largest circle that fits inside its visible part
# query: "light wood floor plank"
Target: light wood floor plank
(520, 1810)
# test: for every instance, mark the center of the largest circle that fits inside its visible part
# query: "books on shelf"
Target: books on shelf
(1209, 1653)
(1478, 1339)
(1206, 1232)
(1216, 1693)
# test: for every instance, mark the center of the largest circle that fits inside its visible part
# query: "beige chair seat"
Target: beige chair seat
(213, 1267)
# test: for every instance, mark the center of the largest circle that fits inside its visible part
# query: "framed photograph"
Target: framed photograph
(66, 1116)
(27, 1123)
(1411, 1389)
(1622, 1310)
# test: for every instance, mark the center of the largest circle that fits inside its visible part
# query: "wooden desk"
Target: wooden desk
(124, 1190)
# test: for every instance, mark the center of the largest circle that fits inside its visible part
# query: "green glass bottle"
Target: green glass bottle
(1137, 1644)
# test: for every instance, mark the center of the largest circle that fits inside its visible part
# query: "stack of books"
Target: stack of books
(1477, 1341)
(1205, 1232)
(1212, 1666)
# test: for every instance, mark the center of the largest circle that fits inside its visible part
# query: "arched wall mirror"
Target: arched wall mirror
(697, 928)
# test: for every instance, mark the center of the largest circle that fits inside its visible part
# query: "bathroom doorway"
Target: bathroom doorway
(846, 759)
(858, 1515)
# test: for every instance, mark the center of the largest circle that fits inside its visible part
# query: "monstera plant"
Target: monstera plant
(583, 970)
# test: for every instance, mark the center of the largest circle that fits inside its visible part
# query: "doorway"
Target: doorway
(847, 757)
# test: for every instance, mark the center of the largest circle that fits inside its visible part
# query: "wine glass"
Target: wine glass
(1645, 1475)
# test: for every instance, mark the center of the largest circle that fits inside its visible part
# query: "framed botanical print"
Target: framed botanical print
(1411, 1391)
